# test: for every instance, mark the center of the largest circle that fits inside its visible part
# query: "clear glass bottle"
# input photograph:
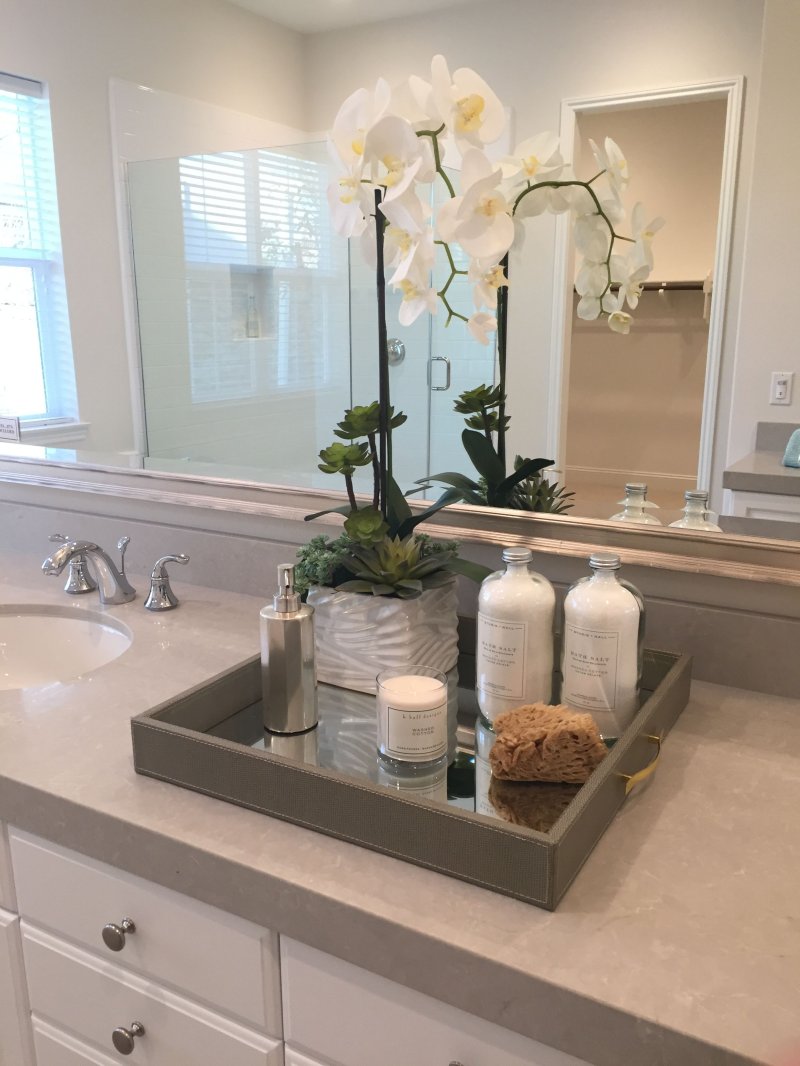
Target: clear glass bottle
(636, 506)
(602, 646)
(484, 742)
(696, 513)
(514, 654)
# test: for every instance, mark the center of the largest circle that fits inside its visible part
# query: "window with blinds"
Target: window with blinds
(37, 377)
(263, 277)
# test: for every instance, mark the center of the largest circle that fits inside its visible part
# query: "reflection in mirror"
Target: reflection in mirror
(634, 404)
(252, 325)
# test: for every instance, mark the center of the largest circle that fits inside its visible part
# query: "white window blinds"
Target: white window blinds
(263, 278)
(36, 370)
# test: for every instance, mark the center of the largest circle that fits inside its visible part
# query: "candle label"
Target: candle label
(501, 657)
(414, 735)
(591, 659)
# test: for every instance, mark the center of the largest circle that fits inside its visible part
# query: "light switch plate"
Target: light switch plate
(780, 391)
(9, 428)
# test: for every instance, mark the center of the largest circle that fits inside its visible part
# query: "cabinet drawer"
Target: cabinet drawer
(229, 963)
(345, 1014)
(56, 1048)
(74, 990)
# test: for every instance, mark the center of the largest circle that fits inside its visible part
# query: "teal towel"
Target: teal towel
(791, 457)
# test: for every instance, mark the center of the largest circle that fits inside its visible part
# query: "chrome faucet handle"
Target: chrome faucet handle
(161, 597)
(122, 547)
(79, 577)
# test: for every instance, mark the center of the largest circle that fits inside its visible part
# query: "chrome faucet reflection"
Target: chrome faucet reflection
(113, 586)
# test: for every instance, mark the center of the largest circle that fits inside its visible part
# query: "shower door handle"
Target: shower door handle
(446, 361)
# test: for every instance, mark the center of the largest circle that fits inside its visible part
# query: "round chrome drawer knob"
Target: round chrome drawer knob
(123, 1038)
(114, 935)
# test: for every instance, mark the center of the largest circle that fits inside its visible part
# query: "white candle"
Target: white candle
(412, 716)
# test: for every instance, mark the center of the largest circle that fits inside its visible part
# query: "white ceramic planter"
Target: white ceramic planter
(358, 635)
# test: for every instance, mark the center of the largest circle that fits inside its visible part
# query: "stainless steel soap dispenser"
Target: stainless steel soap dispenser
(288, 676)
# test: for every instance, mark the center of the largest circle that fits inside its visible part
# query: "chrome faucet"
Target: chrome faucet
(114, 587)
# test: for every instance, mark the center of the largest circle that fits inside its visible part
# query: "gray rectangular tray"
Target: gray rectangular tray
(176, 742)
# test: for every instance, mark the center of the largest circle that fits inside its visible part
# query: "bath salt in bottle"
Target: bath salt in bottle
(637, 507)
(514, 654)
(696, 514)
(602, 646)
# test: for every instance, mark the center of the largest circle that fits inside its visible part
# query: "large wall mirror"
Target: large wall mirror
(219, 327)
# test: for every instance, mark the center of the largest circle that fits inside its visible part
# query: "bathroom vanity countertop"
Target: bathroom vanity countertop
(762, 471)
(678, 944)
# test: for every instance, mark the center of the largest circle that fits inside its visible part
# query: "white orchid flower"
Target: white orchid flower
(412, 255)
(407, 212)
(534, 159)
(629, 275)
(592, 238)
(393, 153)
(360, 111)
(592, 279)
(611, 160)
(643, 233)
(418, 297)
(464, 103)
(618, 320)
(543, 198)
(481, 325)
(480, 219)
(591, 307)
(350, 202)
(486, 278)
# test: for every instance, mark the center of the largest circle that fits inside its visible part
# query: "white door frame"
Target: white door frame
(730, 90)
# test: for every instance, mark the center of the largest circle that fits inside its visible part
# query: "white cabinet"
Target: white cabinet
(15, 1038)
(212, 956)
(205, 986)
(343, 1014)
(78, 991)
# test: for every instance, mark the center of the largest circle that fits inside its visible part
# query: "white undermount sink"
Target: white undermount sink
(43, 645)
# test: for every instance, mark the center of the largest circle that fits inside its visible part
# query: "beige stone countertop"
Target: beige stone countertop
(763, 472)
(677, 945)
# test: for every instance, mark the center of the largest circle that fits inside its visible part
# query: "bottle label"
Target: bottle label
(501, 657)
(591, 663)
(416, 735)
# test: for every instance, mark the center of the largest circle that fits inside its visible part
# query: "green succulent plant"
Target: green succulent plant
(399, 567)
(525, 489)
(365, 421)
(366, 527)
(344, 458)
(379, 551)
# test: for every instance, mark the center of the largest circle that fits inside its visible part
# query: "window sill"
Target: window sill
(53, 431)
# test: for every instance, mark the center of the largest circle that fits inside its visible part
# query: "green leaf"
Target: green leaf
(458, 481)
(397, 507)
(483, 457)
(474, 571)
(529, 467)
(344, 509)
(448, 496)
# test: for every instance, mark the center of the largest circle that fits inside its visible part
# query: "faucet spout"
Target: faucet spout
(113, 586)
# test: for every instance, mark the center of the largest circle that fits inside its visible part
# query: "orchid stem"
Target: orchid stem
(384, 432)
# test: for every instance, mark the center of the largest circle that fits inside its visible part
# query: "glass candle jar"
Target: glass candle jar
(411, 705)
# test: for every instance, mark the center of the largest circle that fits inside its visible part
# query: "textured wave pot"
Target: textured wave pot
(358, 636)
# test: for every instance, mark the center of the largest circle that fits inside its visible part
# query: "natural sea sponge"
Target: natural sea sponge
(534, 804)
(542, 743)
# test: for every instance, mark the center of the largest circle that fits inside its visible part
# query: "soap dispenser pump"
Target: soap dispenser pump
(288, 676)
